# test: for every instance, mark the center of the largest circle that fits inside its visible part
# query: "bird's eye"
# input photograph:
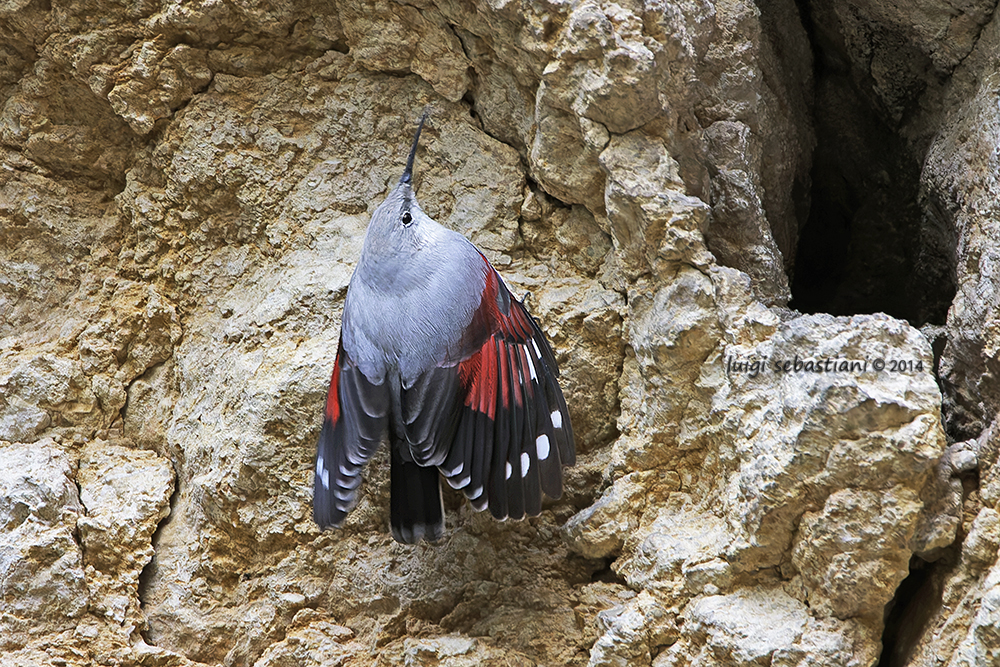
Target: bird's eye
(406, 218)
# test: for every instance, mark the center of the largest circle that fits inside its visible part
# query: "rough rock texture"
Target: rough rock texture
(931, 69)
(960, 185)
(185, 189)
(882, 70)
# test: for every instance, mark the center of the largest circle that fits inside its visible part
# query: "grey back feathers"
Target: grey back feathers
(414, 291)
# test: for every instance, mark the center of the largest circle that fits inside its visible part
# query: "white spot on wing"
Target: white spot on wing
(459, 484)
(325, 478)
(451, 473)
(542, 444)
(319, 465)
(556, 418)
(538, 352)
(525, 463)
(475, 493)
(509, 469)
(531, 367)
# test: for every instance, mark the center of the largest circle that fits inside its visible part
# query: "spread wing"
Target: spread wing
(496, 423)
(353, 425)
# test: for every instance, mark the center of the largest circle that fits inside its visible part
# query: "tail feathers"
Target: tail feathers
(416, 511)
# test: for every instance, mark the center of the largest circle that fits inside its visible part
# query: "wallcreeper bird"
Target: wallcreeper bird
(435, 351)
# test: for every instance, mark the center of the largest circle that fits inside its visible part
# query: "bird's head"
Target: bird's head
(399, 228)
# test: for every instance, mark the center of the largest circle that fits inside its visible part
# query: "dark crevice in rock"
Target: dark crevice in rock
(607, 575)
(470, 100)
(149, 571)
(917, 599)
(937, 336)
(867, 245)
(920, 597)
(872, 241)
(77, 536)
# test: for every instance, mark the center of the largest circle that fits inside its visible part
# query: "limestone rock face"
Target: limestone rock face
(42, 564)
(960, 182)
(184, 194)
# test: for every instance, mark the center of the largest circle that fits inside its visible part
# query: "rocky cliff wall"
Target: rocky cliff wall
(730, 217)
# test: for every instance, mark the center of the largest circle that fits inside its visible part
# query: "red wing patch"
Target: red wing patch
(332, 396)
(514, 434)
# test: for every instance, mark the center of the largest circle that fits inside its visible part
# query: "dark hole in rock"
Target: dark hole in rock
(868, 244)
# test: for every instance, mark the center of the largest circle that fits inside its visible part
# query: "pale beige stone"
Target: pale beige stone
(42, 581)
(125, 494)
(154, 83)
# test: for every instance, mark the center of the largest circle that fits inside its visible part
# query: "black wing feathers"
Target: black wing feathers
(430, 415)
(514, 434)
(353, 424)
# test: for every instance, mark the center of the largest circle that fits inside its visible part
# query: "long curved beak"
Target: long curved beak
(408, 172)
